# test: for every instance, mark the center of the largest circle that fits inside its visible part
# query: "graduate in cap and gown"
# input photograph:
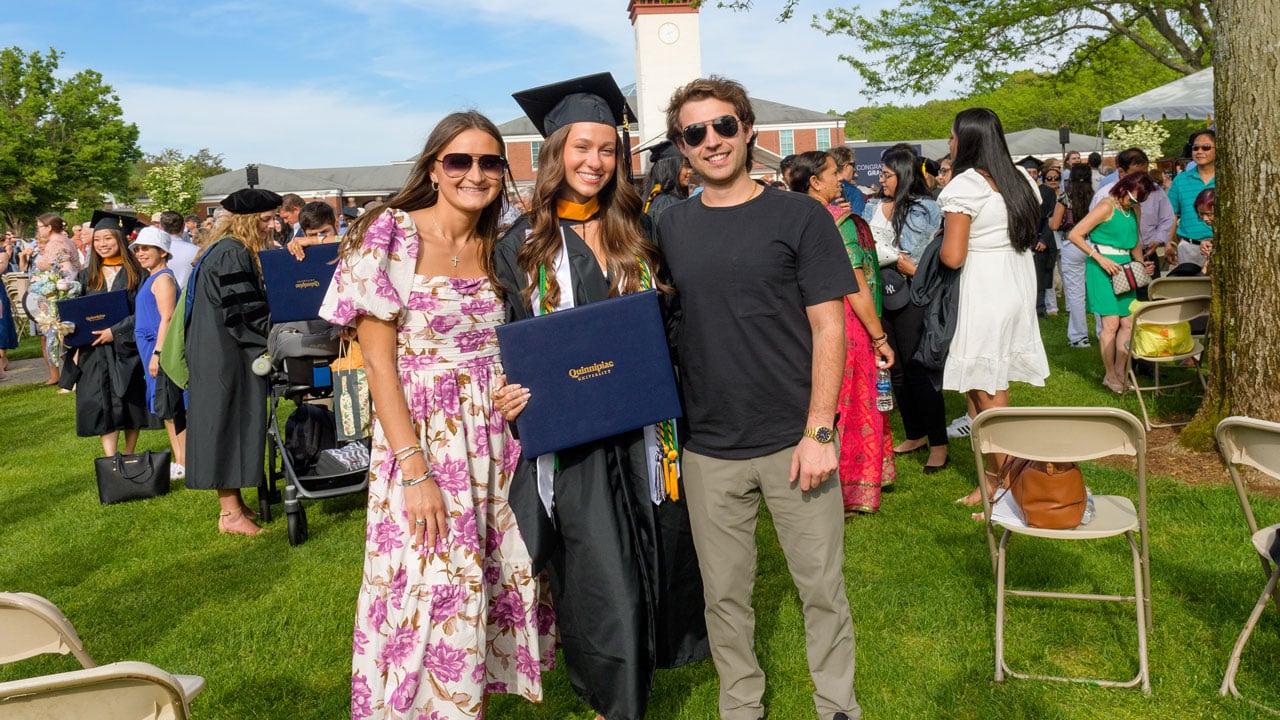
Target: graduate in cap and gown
(226, 329)
(668, 180)
(598, 517)
(111, 395)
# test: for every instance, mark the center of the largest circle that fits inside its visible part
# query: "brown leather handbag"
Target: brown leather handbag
(1052, 495)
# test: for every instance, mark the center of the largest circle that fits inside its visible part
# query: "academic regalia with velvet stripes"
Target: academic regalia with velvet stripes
(227, 404)
(111, 393)
(623, 572)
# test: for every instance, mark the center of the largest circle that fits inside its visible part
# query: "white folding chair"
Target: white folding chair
(1070, 434)
(119, 691)
(1256, 444)
(1168, 288)
(15, 286)
(31, 625)
(1166, 312)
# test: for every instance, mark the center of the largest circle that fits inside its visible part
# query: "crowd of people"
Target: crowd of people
(784, 305)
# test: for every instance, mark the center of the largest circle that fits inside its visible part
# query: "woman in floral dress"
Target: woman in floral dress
(449, 609)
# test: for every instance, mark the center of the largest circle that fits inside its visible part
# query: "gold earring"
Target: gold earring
(435, 186)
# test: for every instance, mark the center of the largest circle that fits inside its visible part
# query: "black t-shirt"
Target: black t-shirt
(745, 276)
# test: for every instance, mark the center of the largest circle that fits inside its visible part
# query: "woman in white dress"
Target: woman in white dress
(991, 210)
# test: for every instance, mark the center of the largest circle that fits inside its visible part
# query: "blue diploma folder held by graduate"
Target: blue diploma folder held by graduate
(92, 312)
(592, 371)
(295, 288)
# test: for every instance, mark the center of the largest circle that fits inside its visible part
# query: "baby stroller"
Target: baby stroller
(305, 456)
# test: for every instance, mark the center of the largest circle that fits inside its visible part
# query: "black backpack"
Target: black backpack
(308, 432)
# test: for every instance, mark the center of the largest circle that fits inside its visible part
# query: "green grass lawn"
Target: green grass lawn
(269, 626)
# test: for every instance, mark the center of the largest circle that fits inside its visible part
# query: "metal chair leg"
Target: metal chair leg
(1000, 568)
(1140, 602)
(1233, 666)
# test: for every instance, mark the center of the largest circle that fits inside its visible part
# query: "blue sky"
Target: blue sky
(361, 82)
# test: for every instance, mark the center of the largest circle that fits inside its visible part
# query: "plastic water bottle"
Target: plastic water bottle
(884, 391)
(1088, 507)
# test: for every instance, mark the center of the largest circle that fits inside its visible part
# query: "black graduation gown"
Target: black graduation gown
(227, 404)
(111, 393)
(624, 575)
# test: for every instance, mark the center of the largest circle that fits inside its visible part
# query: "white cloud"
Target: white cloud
(299, 127)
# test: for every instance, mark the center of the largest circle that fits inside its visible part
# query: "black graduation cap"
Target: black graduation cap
(350, 213)
(590, 98)
(663, 151)
(251, 200)
(123, 224)
(1029, 163)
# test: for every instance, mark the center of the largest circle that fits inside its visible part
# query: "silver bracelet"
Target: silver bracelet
(421, 478)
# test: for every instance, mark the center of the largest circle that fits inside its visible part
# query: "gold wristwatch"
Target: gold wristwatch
(822, 434)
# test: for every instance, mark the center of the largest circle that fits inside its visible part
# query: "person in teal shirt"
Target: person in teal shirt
(1189, 231)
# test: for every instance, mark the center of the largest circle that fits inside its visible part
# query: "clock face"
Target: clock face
(668, 33)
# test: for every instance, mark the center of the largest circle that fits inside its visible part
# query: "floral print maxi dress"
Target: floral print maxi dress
(436, 631)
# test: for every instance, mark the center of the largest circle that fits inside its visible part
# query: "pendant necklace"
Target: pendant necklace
(442, 236)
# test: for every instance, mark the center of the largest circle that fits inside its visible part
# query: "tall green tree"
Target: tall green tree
(1026, 99)
(1244, 330)
(60, 140)
(917, 44)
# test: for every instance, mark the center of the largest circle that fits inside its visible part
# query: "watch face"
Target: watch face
(668, 33)
(823, 435)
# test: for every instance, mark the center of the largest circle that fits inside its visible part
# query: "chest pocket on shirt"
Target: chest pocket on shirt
(756, 288)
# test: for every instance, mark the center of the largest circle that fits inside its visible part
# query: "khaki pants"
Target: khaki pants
(724, 503)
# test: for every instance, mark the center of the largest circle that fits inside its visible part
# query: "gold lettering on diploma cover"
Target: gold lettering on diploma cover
(95, 318)
(303, 284)
(588, 372)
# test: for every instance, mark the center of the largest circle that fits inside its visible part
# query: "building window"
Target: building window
(786, 142)
(535, 147)
(824, 140)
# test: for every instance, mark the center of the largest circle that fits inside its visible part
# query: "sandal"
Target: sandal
(225, 518)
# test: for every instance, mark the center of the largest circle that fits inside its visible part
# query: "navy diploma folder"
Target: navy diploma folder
(592, 371)
(295, 288)
(93, 312)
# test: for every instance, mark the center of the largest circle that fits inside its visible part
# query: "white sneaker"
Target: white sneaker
(177, 472)
(959, 428)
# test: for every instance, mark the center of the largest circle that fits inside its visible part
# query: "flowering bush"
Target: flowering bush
(1147, 135)
(176, 187)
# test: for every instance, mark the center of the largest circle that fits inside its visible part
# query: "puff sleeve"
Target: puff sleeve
(966, 193)
(375, 279)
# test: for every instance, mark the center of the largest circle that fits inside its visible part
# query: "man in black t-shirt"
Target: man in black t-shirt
(761, 275)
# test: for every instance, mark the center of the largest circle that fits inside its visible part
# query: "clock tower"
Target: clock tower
(668, 55)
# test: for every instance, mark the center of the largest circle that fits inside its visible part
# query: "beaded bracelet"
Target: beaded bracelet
(421, 478)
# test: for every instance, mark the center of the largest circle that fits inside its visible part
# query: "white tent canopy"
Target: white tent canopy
(1187, 98)
(1040, 143)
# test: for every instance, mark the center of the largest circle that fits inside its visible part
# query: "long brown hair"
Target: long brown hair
(621, 237)
(419, 192)
(96, 280)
